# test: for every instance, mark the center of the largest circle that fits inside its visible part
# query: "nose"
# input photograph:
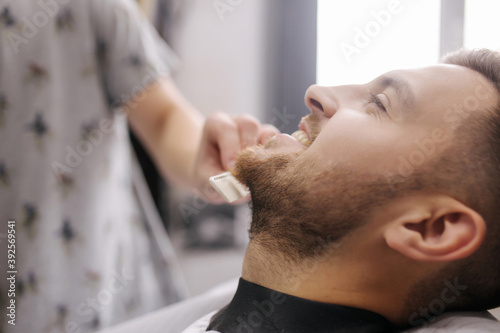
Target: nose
(321, 100)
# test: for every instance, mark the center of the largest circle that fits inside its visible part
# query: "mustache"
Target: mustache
(313, 122)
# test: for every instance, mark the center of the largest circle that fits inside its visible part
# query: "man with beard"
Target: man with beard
(381, 211)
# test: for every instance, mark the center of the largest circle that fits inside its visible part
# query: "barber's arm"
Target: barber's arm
(186, 148)
(132, 56)
(169, 127)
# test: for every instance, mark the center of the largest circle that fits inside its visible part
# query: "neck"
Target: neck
(334, 279)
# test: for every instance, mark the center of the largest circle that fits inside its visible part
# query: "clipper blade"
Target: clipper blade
(228, 187)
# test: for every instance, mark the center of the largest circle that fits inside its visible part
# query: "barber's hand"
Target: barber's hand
(224, 136)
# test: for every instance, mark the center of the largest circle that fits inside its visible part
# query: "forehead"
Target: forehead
(444, 86)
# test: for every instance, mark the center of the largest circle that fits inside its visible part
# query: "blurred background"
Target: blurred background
(259, 57)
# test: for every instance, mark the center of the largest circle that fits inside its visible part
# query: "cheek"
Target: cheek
(364, 143)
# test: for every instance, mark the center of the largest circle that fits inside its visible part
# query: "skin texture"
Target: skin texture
(343, 212)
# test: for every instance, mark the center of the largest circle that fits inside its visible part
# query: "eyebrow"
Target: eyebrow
(402, 87)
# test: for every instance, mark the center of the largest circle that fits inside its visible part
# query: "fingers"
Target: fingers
(252, 132)
(235, 133)
(267, 132)
(224, 136)
(248, 128)
(223, 133)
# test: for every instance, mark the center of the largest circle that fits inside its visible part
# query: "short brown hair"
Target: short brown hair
(476, 175)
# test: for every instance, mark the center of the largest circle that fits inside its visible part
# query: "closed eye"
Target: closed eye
(375, 99)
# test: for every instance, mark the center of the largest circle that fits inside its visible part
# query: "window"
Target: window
(481, 24)
(359, 40)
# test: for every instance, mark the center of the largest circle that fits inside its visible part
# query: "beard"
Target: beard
(301, 208)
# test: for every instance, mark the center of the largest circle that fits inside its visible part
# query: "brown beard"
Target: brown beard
(299, 206)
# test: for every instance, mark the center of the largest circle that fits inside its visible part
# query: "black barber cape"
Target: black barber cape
(257, 309)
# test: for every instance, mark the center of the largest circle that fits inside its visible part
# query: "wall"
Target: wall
(221, 46)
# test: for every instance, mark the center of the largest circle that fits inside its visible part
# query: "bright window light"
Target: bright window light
(359, 40)
(481, 24)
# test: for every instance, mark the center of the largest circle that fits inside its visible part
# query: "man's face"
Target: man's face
(400, 119)
(323, 180)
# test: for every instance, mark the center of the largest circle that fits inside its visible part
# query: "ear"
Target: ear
(436, 230)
